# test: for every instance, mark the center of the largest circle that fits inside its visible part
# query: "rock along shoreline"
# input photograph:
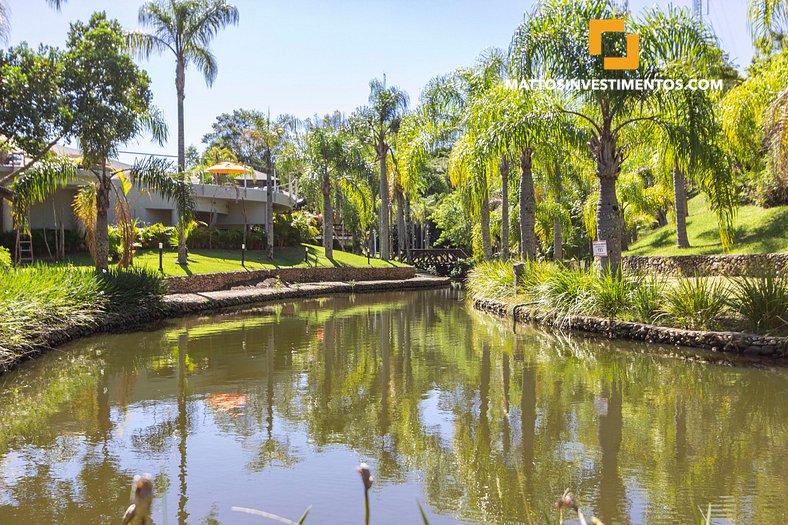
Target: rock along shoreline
(766, 348)
(184, 304)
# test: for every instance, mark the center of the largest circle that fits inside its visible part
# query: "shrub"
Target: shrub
(151, 236)
(132, 288)
(611, 294)
(763, 302)
(695, 302)
(38, 300)
(647, 299)
(5, 258)
(491, 280)
(567, 291)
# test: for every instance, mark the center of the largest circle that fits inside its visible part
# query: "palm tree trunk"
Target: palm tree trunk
(527, 207)
(269, 207)
(485, 224)
(409, 231)
(558, 240)
(180, 82)
(400, 224)
(385, 233)
(608, 213)
(680, 198)
(102, 221)
(504, 169)
(328, 219)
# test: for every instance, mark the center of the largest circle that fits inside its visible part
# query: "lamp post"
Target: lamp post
(243, 254)
(306, 255)
(161, 257)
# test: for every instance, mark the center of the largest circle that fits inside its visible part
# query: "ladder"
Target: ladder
(24, 248)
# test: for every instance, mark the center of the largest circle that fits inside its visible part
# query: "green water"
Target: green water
(273, 407)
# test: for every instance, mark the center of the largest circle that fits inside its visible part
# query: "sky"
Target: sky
(311, 57)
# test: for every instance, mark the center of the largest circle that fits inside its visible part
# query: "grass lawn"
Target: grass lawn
(757, 230)
(211, 261)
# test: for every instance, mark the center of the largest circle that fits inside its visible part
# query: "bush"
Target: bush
(491, 280)
(695, 303)
(647, 299)
(132, 288)
(294, 229)
(763, 302)
(150, 236)
(611, 294)
(566, 291)
(5, 258)
(38, 300)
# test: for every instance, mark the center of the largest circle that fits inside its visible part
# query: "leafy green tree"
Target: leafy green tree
(185, 28)
(378, 124)
(110, 112)
(36, 108)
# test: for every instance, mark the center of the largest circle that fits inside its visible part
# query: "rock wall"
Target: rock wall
(750, 345)
(210, 282)
(707, 265)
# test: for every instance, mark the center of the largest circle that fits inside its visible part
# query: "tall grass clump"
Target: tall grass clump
(647, 299)
(132, 288)
(5, 258)
(611, 294)
(35, 301)
(491, 280)
(762, 301)
(695, 303)
(567, 291)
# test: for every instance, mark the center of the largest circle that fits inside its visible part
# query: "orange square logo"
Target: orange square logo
(628, 62)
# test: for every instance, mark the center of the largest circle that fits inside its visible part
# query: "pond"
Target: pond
(273, 407)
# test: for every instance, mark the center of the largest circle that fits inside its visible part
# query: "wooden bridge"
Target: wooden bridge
(437, 257)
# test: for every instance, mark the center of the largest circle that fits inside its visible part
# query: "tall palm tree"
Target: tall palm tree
(335, 162)
(380, 123)
(554, 42)
(185, 28)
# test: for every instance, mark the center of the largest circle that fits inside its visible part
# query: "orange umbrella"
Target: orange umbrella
(227, 167)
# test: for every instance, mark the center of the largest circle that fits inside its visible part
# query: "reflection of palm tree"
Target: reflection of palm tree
(611, 491)
(528, 423)
(183, 422)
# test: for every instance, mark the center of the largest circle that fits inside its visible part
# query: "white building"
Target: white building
(228, 206)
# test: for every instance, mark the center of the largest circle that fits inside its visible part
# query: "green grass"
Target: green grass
(215, 261)
(757, 230)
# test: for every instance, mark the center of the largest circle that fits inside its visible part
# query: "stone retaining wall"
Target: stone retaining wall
(733, 342)
(708, 265)
(210, 282)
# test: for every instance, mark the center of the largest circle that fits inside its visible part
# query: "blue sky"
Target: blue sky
(308, 57)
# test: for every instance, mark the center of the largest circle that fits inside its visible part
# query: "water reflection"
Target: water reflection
(273, 407)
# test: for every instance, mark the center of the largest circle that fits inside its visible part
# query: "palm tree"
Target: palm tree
(450, 102)
(768, 22)
(335, 162)
(380, 122)
(267, 137)
(186, 28)
(554, 41)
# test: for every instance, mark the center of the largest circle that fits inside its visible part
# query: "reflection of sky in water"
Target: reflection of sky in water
(435, 417)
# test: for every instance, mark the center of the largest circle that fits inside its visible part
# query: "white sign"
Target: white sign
(600, 248)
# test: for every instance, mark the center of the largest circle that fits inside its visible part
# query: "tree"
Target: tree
(378, 123)
(109, 112)
(554, 42)
(36, 107)
(267, 137)
(336, 162)
(185, 28)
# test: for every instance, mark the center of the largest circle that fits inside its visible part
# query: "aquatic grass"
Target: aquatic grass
(695, 303)
(761, 301)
